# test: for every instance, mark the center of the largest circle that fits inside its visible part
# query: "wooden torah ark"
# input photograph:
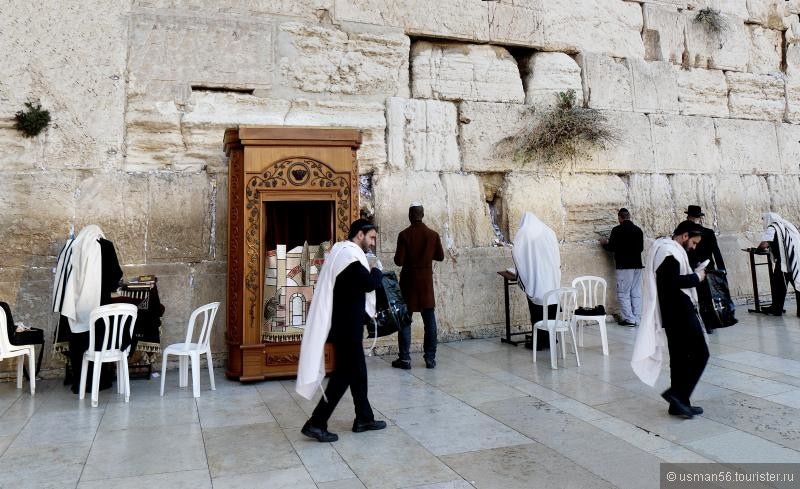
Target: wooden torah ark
(277, 164)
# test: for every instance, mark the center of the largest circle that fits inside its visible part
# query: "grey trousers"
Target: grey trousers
(629, 294)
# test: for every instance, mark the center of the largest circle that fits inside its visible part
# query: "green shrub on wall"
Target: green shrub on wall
(32, 121)
(712, 20)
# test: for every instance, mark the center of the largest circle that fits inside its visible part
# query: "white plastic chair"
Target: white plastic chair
(7, 350)
(116, 318)
(192, 350)
(565, 298)
(592, 293)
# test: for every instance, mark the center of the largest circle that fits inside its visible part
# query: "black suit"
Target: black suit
(707, 249)
(347, 333)
(688, 352)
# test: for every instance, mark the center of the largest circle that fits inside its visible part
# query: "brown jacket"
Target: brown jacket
(417, 247)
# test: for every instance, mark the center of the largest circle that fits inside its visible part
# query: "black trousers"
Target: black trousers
(537, 314)
(350, 371)
(688, 355)
(778, 287)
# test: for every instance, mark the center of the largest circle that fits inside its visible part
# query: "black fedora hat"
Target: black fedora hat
(694, 211)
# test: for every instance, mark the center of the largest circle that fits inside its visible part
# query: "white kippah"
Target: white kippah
(416, 204)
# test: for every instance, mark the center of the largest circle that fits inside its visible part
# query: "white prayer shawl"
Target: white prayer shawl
(788, 241)
(536, 258)
(651, 341)
(76, 290)
(311, 369)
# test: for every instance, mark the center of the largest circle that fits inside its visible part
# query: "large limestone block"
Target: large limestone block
(740, 202)
(369, 117)
(153, 138)
(455, 19)
(320, 59)
(602, 26)
(674, 153)
(793, 60)
(447, 71)
(209, 284)
(765, 50)
(18, 153)
(784, 193)
(753, 96)
(773, 14)
(655, 88)
(539, 194)
(693, 190)
(737, 265)
(793, 98)
(393, 194)
(632, 153)
(663, 33)
(175, 47)
(651, 204)
(118, 202)
(316, 10)
(219, 225)
(579, 259)
(518, 23)
(702, 92)
(789, 148)
(483, 128)
(422, 135)
(37, 210)
(549, 74)
(70, 57)
(727, 50)
(591, 203)
(468, 221)
(178, 221)
(607, 82)
(748, 146)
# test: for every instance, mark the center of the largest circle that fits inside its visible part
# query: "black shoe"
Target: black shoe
(361, 426)
(696, 410)
(626, 323)
(430, 363)
(320, 434)
(403, 364)
(677, 407)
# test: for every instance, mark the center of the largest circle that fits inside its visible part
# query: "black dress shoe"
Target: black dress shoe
(361, 426)
(320, 434)
(430, 363)
(403, 364)
(626, 323)
(676, 406)
(694, 409)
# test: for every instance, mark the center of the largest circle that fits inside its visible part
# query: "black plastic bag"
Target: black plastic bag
(716, 307)
(392, 313)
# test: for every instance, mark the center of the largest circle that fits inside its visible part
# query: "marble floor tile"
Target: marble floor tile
(233, 410)
(471, 347)
(456, 484)
(526, 386)
(454, 428)
(43, 465)
(151, 412)
(677, 454)
(524, 466)
(774, 422)
(744, 383)
(342, 484)
(189, 479)
(145, 450)
(391, 459)
(243, 449)
(790, 398)
(59, 427)
(321, 460)
(638, 437)
(578, 409)
(289, 478)
(740, 447)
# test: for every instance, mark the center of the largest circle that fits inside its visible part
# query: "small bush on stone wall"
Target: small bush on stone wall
(563, 132)
(712, 20)
(32, 121)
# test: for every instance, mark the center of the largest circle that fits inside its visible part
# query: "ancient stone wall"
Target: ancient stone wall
(141, 91)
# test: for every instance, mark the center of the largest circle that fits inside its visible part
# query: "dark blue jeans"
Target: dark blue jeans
(429, 346)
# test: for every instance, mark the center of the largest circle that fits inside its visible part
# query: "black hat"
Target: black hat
(690, 227)
(694, 211)
(360, 225)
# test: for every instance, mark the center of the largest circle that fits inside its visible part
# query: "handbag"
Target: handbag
(392, 313)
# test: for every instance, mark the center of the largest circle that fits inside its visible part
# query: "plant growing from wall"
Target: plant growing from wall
(32, 121)
(563, 132)
(712, 20)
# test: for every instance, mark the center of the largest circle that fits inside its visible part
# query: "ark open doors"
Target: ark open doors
(293, 192)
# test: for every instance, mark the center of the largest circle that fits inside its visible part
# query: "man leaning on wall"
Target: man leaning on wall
(626, 241)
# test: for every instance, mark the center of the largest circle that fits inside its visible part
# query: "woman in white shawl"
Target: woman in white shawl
(783, 237)
(538, 264)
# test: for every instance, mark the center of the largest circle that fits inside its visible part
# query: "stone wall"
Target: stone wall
(141, 91)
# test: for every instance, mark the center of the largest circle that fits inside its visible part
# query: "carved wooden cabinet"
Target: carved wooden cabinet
(287, 185)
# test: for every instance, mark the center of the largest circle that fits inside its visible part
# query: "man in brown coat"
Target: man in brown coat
(417, 247)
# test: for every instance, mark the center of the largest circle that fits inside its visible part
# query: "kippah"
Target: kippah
(416, 203)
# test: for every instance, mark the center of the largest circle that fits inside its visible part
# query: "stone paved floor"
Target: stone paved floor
(485, 417)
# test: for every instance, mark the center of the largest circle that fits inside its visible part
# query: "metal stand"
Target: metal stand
(509, 279)
(758, 306)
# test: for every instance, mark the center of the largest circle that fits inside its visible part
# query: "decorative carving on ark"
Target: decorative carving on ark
(289, 173)
(234, 333)
(282, 358)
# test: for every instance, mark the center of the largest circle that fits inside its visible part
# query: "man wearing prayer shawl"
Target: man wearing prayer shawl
(670, 307)
(343, 295)
(538, 263)
(782, 237)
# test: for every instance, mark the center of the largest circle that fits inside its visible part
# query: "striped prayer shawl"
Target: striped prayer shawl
(788, 241)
